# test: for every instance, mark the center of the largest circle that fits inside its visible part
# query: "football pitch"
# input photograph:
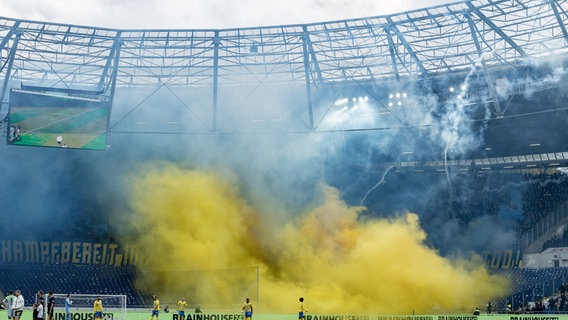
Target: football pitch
(70, 127)
(142, 314)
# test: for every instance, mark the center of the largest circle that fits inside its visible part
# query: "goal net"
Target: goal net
(114, 306)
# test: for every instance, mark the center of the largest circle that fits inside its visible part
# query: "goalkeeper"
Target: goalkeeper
(98, 308)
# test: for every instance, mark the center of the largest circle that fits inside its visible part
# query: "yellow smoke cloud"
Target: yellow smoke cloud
(203, 241)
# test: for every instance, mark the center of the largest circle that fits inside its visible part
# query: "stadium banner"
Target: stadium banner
(82, 316)
(27, 315)
(503, 259)
(369, 317)
(113, 254)
(69, 252)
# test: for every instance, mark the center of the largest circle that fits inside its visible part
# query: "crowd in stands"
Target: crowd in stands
(543, 290)
(557, 241)
(542, 194)
(73, 278)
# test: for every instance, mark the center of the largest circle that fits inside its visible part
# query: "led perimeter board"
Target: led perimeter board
(57, 120)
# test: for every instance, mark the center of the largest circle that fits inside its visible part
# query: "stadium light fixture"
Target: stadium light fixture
(341, 101)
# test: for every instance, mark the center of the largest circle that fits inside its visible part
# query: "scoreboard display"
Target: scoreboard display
(57, 120)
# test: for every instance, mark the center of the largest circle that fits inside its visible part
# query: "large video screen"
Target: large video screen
(57, 120)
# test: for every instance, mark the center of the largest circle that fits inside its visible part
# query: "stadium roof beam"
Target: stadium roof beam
(488, 77)
(559, 19)
(8, 36)
(495, 28)
(392, 26)
(10, 62)
(306, 51)
(392, 53)
(116, 59)
(216, 43)
(310, 47)
(113, 56)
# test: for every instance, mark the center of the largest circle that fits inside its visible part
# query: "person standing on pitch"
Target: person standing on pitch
(50, 305)
(18, 305)
(34, 312)
(39, 297)
(247, 309)
(68, 304)
(98, 308)
(40, 311)
(155, 308)
(301, 311)
(8, 303)
(182, 304)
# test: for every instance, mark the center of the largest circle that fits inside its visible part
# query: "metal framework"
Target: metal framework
(417, 44)
(439, 39)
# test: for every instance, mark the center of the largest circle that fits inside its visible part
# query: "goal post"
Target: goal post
(114, 306)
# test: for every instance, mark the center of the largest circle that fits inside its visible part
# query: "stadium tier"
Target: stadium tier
(74, 279)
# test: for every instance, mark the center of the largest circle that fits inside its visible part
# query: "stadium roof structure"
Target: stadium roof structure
(440, 39)
(419, 44)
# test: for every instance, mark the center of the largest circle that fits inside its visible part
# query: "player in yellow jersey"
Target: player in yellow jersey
(301, 311)
(156, 308)
(98, 308)
(247, 309)
(182, 304)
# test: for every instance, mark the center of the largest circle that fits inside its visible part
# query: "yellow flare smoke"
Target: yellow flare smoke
(203, 241)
